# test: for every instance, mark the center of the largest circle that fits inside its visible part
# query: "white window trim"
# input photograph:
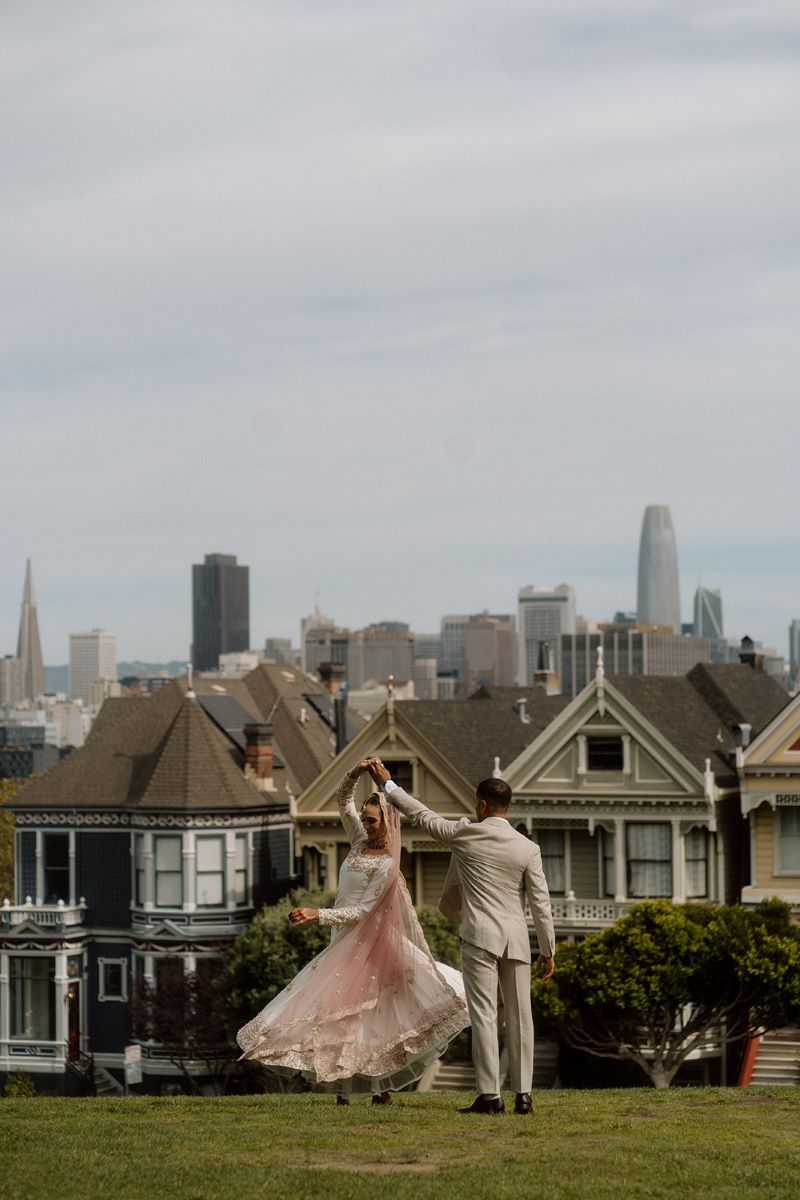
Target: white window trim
(778, 870)
(102, 995)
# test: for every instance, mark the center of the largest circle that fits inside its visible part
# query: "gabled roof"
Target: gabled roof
(695, 712)
(471, 733)
(151, 752)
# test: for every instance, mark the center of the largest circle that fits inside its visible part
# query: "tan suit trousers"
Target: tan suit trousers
(482, 972)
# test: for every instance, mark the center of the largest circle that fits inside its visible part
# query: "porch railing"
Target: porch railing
(54, 916)
(587, 914)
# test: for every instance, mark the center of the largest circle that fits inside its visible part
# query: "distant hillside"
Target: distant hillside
(56, 679)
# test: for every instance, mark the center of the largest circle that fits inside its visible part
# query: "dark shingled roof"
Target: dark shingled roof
(469, 733)
(165, 752)
(695, 712)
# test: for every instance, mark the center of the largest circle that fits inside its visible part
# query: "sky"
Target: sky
(407, 306)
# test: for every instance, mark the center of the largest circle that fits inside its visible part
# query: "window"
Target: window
(240, 883)
(138, 866)
(210, 872)
(33, 998)
(551, 844)
(649, 859)
(169, 972)
(402, 773)
(169, 872)
(609, 875)
(113, 979)
(789, 840)
(56, 868)
(604, 753)
(696, 857)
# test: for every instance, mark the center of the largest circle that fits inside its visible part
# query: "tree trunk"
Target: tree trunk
(660, 1076)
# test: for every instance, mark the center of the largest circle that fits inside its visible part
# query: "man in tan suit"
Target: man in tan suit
(492, 869)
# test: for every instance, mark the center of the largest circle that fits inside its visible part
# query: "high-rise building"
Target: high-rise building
(658, 597)
(279, 650)
(794, 644)
(428, 645)
(489, 652)
(220, 609)
(10, 681)
(314, 621)
(29, 646)
(628, 650)
(92, 658)
(708, 613)
(544, 615)
(452, 659)
(381, 650)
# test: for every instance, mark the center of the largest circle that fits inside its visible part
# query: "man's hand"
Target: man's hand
(378, 771)
(299, 916)
(359, 768)
(545, 967)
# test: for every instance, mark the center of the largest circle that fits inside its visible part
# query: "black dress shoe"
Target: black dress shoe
(523, 1103)
(483, 1104)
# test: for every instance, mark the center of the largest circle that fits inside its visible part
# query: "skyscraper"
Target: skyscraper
(544, 614)
(794, 644)
(658, 600)
(92, 656)
(220, 609)
(29, 646)
(708, 613)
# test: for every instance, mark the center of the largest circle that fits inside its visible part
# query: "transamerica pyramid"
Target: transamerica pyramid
(29, 646)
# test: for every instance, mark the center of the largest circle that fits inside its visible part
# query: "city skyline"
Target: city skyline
(418, 305)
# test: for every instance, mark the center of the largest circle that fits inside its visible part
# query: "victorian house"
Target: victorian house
(145, 853)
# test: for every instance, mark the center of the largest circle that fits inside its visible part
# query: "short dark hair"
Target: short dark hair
(495, 793)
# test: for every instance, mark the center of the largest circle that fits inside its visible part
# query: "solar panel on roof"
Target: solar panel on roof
(229, 715)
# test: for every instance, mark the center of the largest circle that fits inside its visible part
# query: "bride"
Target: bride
(373, 1009)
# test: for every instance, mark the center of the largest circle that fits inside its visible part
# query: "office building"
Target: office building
(381, 650)
(658, 596)
(544, 615)
(220, 609)
(10, 681)
(425, 682)
(29, 646)
(92, 657)
(708, 613)
(488, 652)
(279, 650)
(428, 645)
(794, 645)
(628, 650)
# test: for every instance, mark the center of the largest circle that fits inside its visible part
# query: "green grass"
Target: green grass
(590, 1145)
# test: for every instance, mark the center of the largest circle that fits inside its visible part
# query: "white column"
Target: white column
(189, 856)
(753, 847)
(72, 870)
(149, 973)
(620, 873)
(626, 754)
(567, 862)
(190, 964)
(719, 856)
(60, 983)
(149, 868)
(5, 999)
(251, 859)
(38, 898)
(678, 864)
(331, 866)
(582, 754)
(229, 865)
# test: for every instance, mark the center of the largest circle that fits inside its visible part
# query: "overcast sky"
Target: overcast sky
(405, 304)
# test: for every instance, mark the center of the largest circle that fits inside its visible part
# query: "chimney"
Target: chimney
(258, 756)
(748, 656)
(544, 676)
(331, 676)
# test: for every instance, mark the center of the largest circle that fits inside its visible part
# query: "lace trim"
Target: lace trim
(346, 791)
(349, 915)
(329, 1063)
(368, 864)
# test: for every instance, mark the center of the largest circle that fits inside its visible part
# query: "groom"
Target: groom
(492, 867)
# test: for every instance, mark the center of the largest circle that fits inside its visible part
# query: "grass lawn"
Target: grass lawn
(592, 1145)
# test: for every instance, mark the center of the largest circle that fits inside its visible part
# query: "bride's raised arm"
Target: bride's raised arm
(347, 807)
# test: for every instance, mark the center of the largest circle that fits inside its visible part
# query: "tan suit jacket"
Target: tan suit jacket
(493, 868)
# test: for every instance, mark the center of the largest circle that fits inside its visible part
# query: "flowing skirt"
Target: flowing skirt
(381, 1037)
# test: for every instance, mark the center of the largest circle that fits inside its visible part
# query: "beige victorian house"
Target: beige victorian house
(769, 781)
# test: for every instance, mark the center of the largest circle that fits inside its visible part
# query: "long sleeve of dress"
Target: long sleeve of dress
(348, 813)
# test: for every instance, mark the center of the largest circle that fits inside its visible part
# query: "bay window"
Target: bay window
(696, 858)
(210, 853)
(169, 871)
(788, 858)
(32, 998)
(551, 844)
(649, 859)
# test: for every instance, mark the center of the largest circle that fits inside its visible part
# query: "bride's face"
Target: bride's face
(372, 820)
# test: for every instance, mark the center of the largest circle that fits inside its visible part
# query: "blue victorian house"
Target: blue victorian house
(145, 853)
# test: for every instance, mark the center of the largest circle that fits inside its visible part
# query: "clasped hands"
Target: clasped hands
(375, 768)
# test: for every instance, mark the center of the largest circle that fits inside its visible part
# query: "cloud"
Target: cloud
(440, 294)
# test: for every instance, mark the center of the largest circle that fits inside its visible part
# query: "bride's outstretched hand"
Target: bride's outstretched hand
(359, 769)
(299, 916)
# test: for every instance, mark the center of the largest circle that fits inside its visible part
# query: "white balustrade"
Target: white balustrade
(55, 916)
(593, 913)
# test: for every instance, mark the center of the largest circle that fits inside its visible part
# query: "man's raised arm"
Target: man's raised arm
(435, 826)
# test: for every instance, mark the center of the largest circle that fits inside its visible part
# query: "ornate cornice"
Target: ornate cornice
(140, 820)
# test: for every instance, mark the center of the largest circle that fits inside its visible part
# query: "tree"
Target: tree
(8, 788)
(267, 955)
(183, 1017)
(666, 977)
